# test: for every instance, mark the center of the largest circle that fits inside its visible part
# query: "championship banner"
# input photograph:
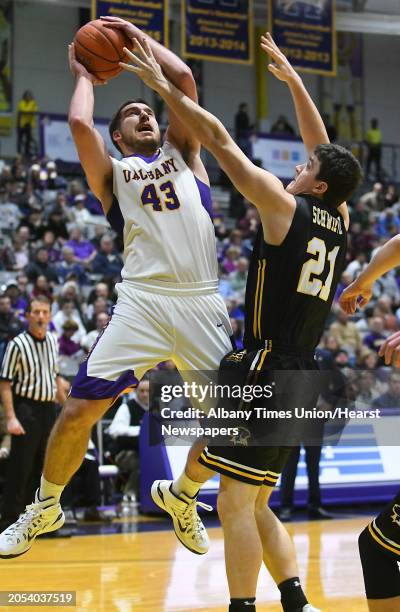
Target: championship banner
(151, 16)
(6, 22)
(305, 31)
(219, 30)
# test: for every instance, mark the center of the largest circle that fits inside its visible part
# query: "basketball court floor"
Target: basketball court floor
(138, 565)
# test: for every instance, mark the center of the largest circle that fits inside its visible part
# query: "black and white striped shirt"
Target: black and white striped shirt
(32, 366)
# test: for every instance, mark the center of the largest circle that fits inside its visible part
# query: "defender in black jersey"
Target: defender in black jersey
(294, 272)
(379, 543)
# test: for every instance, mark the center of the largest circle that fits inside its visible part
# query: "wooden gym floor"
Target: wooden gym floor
(151, 572)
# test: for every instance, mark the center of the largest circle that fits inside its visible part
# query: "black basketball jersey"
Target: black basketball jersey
(385, 529)
(290, 287)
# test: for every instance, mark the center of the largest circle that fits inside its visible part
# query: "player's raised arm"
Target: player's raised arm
(311, 125)
(178, 73)
(91, 147)
(258, 186)
(360, 291)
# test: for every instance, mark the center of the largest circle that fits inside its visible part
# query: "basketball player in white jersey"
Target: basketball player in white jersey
(168, 303)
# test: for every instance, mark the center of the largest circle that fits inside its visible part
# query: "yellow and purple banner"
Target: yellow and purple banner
(219, 30)
(305, 31)
(6, 73)
(151, 16)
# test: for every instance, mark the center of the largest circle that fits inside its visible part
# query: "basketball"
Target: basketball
(100, 49)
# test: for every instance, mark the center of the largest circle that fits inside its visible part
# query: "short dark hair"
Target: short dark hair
(115, 121)
(340, 170)
(43, 299)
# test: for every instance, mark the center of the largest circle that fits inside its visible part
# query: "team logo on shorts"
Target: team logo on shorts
(242, 437)
(237, 356)
(396, 515)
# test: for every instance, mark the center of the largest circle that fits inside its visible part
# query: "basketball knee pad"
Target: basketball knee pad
(381, 571)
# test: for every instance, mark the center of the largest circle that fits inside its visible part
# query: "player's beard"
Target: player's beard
(143, 146)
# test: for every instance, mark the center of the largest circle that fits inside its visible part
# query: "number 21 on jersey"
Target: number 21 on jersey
(309, 282)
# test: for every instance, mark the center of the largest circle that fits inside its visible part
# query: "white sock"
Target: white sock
(49, 489)
(186, 485)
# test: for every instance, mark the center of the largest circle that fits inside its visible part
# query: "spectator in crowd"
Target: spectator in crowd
(71, 353)
(124, 430)
(41, 267)
(10, 325)
(376, 337)
(79, 214)
(346, 333)
(237, 333)
(360, 214)
(68, 312)
(101, 321)
(66, 346)
(16, 291)
(391, 196)
(367, 389)
(230, 261)
(84, 489)
(355, 267)
(51, 246)
(27, 110)
(69, 269)
(373, 140)
(375, 199)
(282, 127)
(99, 306)
(42, 287)
(237, 279)
(390, 399)
(243, 128)
(101, 290)
(107, 262)
(84, 250)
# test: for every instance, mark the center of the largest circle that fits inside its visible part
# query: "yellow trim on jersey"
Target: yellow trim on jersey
(397, 552)
(273, 479)
(256, 300)
(259, 298)
(230, 469)
(263, 356)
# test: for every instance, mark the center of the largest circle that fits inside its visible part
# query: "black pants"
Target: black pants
(24, 140)
(26, 459)
(374, 157)
(84, 488)
(313, 455)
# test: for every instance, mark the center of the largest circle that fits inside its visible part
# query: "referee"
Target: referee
(29, 384)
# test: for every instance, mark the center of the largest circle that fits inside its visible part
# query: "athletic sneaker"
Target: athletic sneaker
(39, 518)
(310, 608)
(188, 526)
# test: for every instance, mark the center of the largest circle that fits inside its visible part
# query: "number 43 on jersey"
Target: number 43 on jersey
(162, 197)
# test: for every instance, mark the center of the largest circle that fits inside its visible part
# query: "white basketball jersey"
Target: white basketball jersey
(159, 207)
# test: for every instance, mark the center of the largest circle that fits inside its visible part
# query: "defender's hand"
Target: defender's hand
(281, 68)
(354, 295)
(119, 24)
(77, 69)
(390, 349)
(145, 64)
